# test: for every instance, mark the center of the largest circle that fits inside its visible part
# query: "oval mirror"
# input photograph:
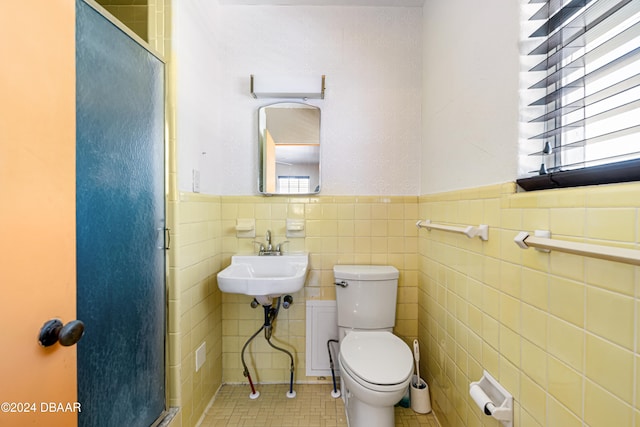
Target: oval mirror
(289, 147)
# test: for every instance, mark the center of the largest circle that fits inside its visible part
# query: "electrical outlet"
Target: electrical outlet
(196, 180)
(201, 355)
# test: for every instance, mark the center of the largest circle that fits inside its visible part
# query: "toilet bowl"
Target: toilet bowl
(376, 368)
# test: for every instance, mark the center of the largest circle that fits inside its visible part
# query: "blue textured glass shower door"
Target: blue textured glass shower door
(120, 225)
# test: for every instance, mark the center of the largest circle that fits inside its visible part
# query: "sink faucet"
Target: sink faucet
(267, 237)
(269, 248)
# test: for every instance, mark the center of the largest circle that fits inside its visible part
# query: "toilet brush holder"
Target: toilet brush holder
(420, 400)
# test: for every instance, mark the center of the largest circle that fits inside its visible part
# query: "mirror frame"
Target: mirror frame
(261, 156)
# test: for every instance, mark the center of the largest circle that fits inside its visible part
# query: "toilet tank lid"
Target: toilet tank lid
(365, 272)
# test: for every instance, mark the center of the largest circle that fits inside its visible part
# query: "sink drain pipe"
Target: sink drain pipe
(270, 314)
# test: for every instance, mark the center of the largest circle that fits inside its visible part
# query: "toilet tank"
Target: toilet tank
(366, 296)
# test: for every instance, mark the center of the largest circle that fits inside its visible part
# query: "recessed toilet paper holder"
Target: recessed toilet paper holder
(493, 399)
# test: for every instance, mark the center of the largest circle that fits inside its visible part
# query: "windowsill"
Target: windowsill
(606, 174)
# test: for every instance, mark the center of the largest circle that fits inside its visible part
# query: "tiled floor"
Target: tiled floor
(312, 407)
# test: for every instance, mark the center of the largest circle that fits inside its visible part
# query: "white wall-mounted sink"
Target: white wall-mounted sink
(264, 276)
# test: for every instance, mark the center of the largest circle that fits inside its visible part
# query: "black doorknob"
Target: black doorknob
(53, 331)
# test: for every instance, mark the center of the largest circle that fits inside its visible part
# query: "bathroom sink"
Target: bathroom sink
(264, 276)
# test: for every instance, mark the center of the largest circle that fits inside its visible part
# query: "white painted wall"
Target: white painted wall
(194, 46)
(419, 100)
(371, 115)
(470, 94)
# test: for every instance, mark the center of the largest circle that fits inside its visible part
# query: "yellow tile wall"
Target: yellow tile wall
(195, 304)
(159, 26)
(559, 331)
(339, 230)
(133, 14)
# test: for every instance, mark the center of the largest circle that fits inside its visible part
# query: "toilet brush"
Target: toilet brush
(416, 355)
(420, 401)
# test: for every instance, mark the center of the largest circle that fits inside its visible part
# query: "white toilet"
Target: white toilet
(375, 365)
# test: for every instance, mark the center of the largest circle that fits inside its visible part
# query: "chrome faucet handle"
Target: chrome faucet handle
(279, 246)
(261, 246)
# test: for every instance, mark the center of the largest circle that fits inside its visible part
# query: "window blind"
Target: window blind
(583, 122)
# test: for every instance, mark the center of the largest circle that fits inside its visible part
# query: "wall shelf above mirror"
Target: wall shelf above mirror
(286, 86)
(289, 149)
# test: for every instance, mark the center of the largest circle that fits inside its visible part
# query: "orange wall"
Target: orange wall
(37, 209)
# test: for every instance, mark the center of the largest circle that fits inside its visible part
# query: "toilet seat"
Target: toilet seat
(376, 360)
